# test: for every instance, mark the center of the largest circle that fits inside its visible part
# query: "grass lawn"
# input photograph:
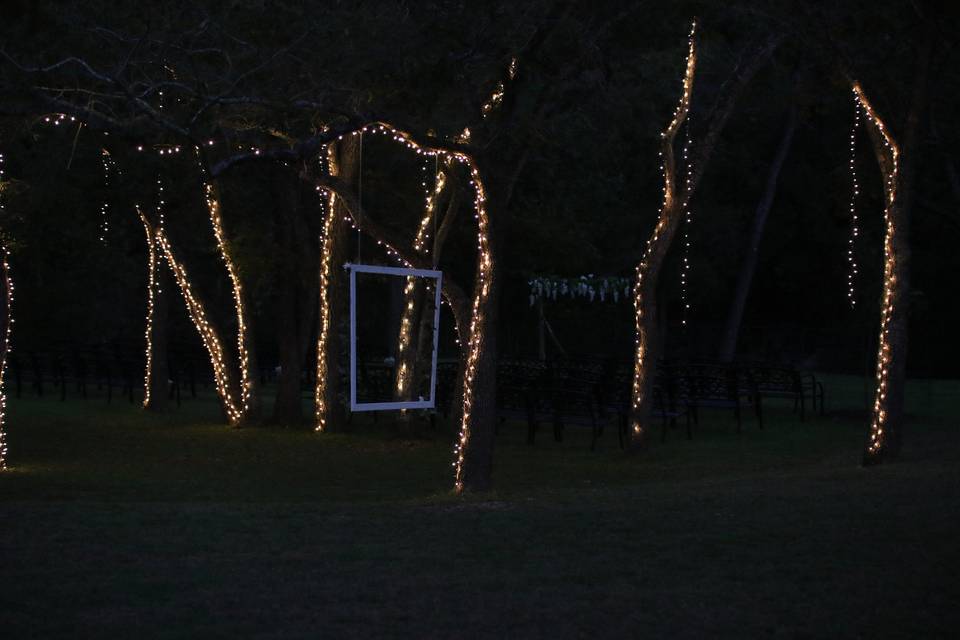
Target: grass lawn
(118, 524)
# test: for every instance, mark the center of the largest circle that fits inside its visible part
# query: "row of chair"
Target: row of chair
(594, 393)
(98, 370)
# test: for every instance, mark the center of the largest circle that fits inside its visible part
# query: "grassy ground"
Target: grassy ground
(115, 523)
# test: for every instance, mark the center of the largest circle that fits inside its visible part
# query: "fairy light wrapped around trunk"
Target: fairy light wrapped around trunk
(151, 297)
(410, 308)
(233, 406)
(667, 220)
(243, 353)
(889, 160)
(323, 335)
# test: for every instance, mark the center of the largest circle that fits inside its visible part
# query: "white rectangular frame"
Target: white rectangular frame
(354, 269)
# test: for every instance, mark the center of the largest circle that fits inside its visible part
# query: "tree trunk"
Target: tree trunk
(476, 473)
(748, 267)
(676, 198)
(899, 170)
(159, 392)
(331, 415)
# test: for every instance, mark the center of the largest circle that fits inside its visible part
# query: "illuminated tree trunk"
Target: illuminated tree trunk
(415, 339)
(334, 319)
(749, 265)
(159, 378)
(248, 398)
(898, 169)
(476, 473)
(676, 196)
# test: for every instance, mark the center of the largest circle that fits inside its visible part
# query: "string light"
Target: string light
(326, 248)
(482, 290)
(640, 372)
(208, 335)
(687, 222)
(216, 220)
(151, 292)
(496, 98)
(420, 246)
(109, 167)
(8, 290)
(8, 327)
(854, 222)
(889, 166)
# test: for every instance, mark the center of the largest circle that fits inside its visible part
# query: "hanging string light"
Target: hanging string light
(890, 167)
(5, 348)
(640, 371)
(109, 168)
(8, 327)
(853, 268)
(687, 222)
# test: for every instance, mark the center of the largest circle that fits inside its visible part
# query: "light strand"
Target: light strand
(852, 266)
(8, 327)
(151, 305)
(408, 311)
(8, 291)
(326, 248)
(216, 220)
(687, 222)
(640, 372)
(889, 166)
(208, 335)
(109, 167)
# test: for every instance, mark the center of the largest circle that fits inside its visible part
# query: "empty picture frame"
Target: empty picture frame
(400, 272)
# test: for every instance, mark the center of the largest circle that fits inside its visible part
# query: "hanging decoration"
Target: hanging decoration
(889, 166)
(687, 222)
(109, 169)
(8, 326)
(588, 287)
(5, 347)
(852, 266)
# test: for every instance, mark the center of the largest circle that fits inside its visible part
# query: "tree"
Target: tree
(676, 197)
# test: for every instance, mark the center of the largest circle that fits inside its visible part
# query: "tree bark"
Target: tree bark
(886, 431)
(344, 156)
(159, 392)
(748, 267)
(287, 407)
